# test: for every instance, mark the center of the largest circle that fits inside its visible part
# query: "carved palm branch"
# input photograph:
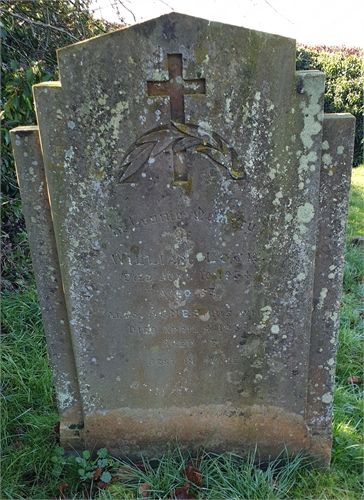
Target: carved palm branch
(180, 137)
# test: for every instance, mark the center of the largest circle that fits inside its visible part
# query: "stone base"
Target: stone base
(134, 433)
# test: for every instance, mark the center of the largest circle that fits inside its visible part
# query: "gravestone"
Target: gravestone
(186, 202)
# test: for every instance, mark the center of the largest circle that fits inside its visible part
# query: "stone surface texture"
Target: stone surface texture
(199, 200)
(38, 219)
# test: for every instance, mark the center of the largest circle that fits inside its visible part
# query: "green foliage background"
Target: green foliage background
(344, 88)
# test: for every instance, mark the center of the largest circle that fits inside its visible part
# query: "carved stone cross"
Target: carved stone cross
(176, 88)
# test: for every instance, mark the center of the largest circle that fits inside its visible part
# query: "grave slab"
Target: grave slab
(198, 202)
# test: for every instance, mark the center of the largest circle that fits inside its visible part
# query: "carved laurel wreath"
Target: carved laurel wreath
(181, 137)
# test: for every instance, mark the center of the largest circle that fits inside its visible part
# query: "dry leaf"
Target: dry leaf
(140, 466)
(62, 487)
(98, 473)
(193, 475)
(145, 490)
(180, 493)
(352, 380)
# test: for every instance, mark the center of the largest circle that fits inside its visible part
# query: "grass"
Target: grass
(34, 467)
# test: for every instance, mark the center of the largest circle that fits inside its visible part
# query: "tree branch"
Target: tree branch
(38, 23)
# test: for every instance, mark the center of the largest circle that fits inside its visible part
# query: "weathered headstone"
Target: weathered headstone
(198, 200)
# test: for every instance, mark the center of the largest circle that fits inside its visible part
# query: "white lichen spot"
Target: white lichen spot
(200, 257)
(258, 376)
(267, 311)
(340, 150)
(305, 213)
(277, 199)
(228, 114)
(327, 160)
(257, 96)
(288, 217)
(334, 317)
(301, 277)
(102, 100)
(272, 173)
(303, 229)
(322, 298)
(275, 329)
(204, 317)
(312, 112)
(331, 276)
(121, 108)
(68, 156)
(64, 396)
(327, 398)
(297, 239)
(325, 146)
(331, 362)
(71, 125)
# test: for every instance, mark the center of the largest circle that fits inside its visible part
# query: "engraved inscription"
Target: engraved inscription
(220, 360)
(183, 344)
(131, 223)
(161, 361)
